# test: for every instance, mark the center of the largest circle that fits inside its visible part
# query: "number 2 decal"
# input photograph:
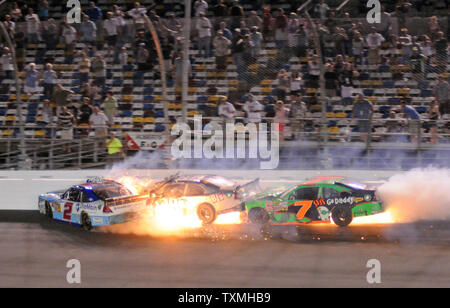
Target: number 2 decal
(68, 211)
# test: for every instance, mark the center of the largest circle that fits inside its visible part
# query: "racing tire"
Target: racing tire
(48, 210)
(342, 216)
(86, 222)
(206, 213)
(258, 215)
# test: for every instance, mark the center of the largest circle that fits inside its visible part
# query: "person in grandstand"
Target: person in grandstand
(413, 118)
(88, 31)
(110, 106)
(66, 122)
(115, 148)
(253, 109)
(374, 41)
(226, 110)
(297, 114)
(321, 9)
(221, 50)
(363, 111)
(441, 92)
(434, 115)
(49, 80)
(98, 122)
(32, 80)
(59, 97)
(204, 28)
(281, 117)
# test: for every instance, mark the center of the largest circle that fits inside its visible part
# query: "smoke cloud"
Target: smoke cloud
(419, 194)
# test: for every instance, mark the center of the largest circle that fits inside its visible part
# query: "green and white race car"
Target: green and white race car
(321, 200)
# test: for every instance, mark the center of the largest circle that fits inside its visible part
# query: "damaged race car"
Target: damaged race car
(210, 194)
(97, 202)
(317, 201)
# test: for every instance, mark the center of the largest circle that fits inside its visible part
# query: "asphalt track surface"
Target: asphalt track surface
(34, 253)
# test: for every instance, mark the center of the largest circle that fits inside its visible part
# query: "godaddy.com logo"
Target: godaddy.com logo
(227, 140)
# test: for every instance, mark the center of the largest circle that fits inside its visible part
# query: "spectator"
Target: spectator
(358, 47)
(374, 41)
(142, 57)
(284, 84)
(137, 14)
(418, 61)
(331, 80)
(115, 149)
(441, 46)
(16, 12)
(43, 7)
(59, 97)
(66, 122)
(346, 78)
(433, 27)
(98, 122)
(201, 8)
(302, 41)
(406, 42)
(10, 25)
(47, 112)
(385, 26)
(72, 109)
(292, 30)
(84, 68)
(221, 50)
(204, 35)
(85, 111)
(88, 30)
(89, 91)
(167, 51)
(267, 24)
(226, 32)
(238, 50)
(254, 20)
(95, 14)
(49, 79)
(69, 34)
(6, 62)
(123, 57)
(441, 92)
(249, 49)
(99, 70)
(226, 110)
(281, 116)
(110, 106)
(33, 27)
(434, 115)
(321, 9)
(313, 72)
(111, 30)
(297, 114)
(119, 18)
(220, 10)
(413, 118)
(296, 82)
(257, 39)
(50, 34)
(236, 13)
(253, 109)
(363, 111)
(32, 80)
(281, 26)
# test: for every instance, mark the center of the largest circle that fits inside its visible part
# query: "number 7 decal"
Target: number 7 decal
(305, 206)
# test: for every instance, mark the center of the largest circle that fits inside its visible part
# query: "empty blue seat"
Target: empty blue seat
(149, 106)
(127, 114)
(160, 128)
(160, 114)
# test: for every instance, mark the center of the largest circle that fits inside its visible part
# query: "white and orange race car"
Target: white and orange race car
(210, 194)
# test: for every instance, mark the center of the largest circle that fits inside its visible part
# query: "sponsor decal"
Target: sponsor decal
(338, 201)
(319, 202)
(324, 213)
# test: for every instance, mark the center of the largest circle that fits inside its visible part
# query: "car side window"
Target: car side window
(306, 193)
(74, 195)
(174, 190)
(84, 197)
(329, 192)
(195, 190)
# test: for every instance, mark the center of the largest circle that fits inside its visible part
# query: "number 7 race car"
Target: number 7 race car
(95, 203)
(316, 201)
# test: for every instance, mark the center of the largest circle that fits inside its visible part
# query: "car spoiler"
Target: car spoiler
(125, 200)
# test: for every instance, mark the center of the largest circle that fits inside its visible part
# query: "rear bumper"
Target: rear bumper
(99, 221)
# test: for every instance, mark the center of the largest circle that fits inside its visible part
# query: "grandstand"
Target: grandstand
(141, 97)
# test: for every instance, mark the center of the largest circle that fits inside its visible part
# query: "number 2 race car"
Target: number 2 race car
(210, 195)
(95, 203)
(316, 201)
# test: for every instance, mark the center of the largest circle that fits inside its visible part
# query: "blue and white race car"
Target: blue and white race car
(93, 204)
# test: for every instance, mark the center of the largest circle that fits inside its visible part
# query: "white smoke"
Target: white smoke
(419, 194)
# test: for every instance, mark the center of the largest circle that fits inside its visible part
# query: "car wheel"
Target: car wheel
(206, 213)
(258, 215)
(48, 210)
(342, 216)
(86, 223)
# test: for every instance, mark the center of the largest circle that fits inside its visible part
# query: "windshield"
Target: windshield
(282, 195)
(110, 191)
